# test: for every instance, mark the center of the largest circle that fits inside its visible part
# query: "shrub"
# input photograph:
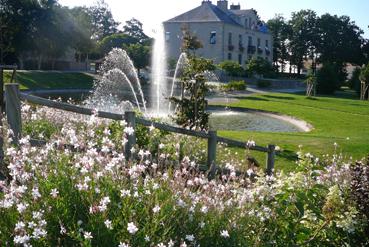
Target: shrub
(327, 79)
(259, 66)
(232, 68)
(262, 83)
(234, 85)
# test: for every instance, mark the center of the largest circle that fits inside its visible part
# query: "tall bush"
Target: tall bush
(232, 68)
(327, 79)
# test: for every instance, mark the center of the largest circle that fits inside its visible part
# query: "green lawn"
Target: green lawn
(335, 120)
(52, 80)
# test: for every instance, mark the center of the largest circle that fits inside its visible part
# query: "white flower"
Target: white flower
(129, 130)
(87, 235)
(161, 146)
(204, 209)
(147, 238)
(171, 243)
(161, 245)
(124, 193)
(224, 234)
(190, 238)
(156, 209)
(54, 193)
(21, 207)
(250, 143)
(123, 245)
(151, 128)
(35, 193)
(132, 228)
(108, 224)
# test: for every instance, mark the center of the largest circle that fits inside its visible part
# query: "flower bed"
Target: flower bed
(90, 195)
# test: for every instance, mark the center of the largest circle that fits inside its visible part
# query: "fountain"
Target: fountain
(180, 66)
(119, 89)
(158, 90)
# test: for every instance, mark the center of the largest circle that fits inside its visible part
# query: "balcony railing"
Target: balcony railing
(230, 47)
(260, 50)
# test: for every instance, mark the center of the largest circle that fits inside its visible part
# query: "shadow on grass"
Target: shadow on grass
(279, 97)
(288, 154)
(252, 98)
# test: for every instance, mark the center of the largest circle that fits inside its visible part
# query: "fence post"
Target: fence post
(13, 110)
(212, 152)
(130, 118)
(270, 159)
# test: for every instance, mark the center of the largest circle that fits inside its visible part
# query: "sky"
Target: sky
(152, 12)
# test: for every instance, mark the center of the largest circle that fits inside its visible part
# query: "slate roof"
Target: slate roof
(207, 12)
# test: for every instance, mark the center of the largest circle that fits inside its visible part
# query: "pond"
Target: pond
(254, 121)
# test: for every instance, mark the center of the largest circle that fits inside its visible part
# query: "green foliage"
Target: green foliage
(190, 42)
(263, 83)
(115, 41)
(140, 55)
(234, 86)
(103, 23)
(39, 129)
(191, 108)
(232, 68)
(327, 79)
(133, 28)
(259, 66)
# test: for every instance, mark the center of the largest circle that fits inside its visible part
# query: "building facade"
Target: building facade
(226, 33)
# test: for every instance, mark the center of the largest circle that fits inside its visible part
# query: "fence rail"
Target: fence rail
(14, 96)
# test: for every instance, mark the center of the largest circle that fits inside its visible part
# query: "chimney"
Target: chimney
(223, 5)
(205, 2)
(235, 6)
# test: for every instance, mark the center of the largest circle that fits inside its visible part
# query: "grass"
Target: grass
(340, 120)
(51, 80)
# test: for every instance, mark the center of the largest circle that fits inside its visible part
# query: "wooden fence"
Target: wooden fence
(13, 111)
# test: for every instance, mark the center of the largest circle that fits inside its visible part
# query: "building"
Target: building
(226, 33)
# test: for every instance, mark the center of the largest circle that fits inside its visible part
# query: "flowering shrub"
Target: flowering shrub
(87, 193)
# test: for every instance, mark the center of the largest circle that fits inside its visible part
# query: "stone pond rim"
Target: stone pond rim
(302, 125)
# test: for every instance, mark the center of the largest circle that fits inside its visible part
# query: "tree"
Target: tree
(302, 36)
(190, 42)
(191, 107)
(103, 23)
(140, 55)
(133, 28)
(119, 40)
(280, 31)
(339, 40)
(258, 66)
(232, 68)
(364, 78)
(310, 84)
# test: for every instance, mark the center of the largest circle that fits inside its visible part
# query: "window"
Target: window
(167, 36)
(266, 43)
(240, 59)
(240, 41)
(267, 58)
(246, 23)
(229, 56)
(213, 37)
(249, 22)
(229, 38)
(259, 42)
(250, 41)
